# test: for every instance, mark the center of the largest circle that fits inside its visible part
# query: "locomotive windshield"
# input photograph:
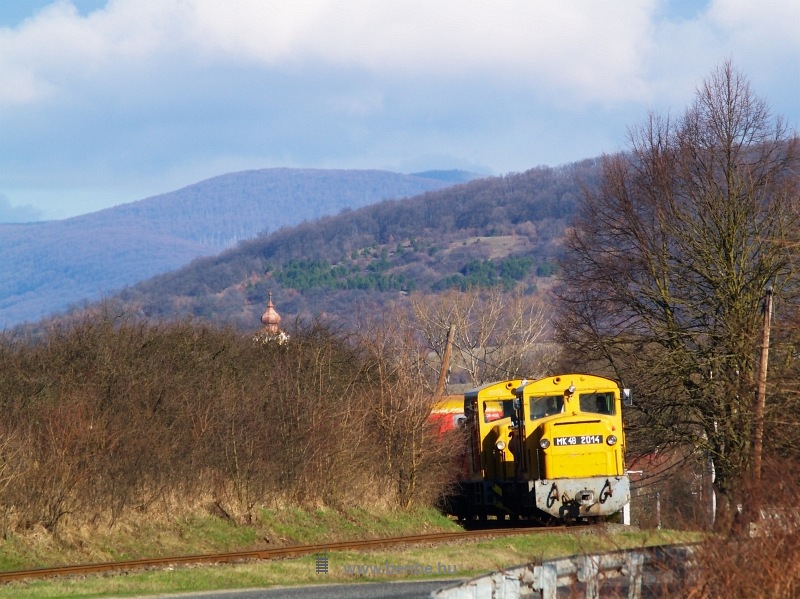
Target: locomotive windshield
(597, 403)
(545, 406)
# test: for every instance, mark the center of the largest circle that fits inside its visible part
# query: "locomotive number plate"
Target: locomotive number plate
(578, 440)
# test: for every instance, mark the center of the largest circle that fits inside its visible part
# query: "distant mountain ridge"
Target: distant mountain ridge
(451, 176)
(48, 266)
(497, 231)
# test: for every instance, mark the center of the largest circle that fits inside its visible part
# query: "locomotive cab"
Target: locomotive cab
(492, 418)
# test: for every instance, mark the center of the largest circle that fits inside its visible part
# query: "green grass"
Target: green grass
(298, 526)
(196, 534)
(206, 534)
(467, 558)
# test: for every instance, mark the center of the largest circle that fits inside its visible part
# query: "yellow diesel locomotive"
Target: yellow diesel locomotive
(548, 449)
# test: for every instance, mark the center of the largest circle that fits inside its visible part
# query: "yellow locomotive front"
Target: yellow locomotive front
(550, 448)
(574, 445)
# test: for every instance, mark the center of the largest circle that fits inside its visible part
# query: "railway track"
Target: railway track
(266, 554)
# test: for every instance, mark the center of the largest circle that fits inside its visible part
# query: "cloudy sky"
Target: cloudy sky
(105, 102)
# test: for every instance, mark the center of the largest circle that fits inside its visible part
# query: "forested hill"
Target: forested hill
(496, 231)
(48, 266)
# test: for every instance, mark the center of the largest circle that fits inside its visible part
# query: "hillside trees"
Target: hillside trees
(669, 260)
(423, 243)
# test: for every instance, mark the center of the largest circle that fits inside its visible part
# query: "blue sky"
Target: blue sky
(105, 102)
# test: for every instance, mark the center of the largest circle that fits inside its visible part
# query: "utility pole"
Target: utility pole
(758, 434)
(445, 360)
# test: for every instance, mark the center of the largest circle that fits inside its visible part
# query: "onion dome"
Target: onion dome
(271, 319)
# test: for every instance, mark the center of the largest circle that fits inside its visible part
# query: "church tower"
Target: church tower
(272, 324)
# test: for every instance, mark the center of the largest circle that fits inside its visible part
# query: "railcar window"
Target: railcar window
(545, 406)
(597, 403)
(496, 409)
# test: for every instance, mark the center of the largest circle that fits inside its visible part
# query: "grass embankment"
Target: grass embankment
(195, 535)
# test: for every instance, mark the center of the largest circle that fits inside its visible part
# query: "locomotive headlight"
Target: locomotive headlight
(501, 445)
(544, 443)
(611, 439)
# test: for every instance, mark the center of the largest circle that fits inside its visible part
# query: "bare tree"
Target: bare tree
(417, 463)
(668, 261)
(497, 335)
(782, 415)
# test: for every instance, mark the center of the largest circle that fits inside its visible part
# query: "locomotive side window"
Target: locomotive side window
(545, 406)
(498, 408)
(597, 403)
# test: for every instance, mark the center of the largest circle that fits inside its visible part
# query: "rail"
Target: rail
(263, 554)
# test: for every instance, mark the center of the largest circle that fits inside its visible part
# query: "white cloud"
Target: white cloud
(588, 49)
(17, 214)
(155, 93)
(762, 39)
(756, 22)
(577, 51)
